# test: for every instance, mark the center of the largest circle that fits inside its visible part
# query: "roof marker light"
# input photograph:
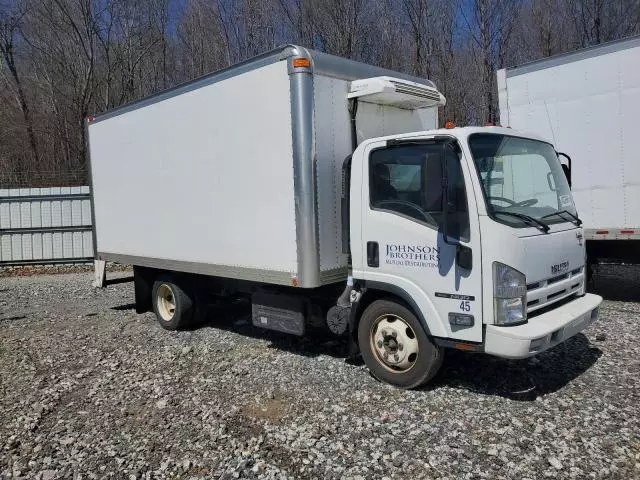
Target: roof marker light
(449, 125)
(301, 63)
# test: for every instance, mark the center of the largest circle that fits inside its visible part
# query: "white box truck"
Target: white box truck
(294, 179)
(587, 103)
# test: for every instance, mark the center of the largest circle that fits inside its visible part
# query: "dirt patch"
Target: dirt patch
(271, 410)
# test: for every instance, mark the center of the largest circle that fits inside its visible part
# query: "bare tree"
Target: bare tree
(250, 27)
(421, 23)
(490, 27)
(339, 25)
(203, 44)
(603, 20)
(10, 24)
(62, 35)
(298, 25)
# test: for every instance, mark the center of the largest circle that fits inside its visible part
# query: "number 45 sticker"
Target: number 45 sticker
(465, 306)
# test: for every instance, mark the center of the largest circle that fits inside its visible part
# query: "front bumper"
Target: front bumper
(542, 331)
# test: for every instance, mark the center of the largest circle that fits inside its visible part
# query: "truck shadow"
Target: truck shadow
(616, 282)
(521, 380)
(236, 317)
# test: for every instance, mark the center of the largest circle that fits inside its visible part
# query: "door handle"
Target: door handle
(373, 256)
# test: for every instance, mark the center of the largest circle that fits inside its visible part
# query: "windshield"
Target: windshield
(522, 179)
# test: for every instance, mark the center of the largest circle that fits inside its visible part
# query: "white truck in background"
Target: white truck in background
(587, 103)
(321, 189)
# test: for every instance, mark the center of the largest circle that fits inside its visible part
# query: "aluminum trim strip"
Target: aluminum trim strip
(304, 176)
(226, 271)
(334, 275)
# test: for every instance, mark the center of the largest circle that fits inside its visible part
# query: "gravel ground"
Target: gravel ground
(89, 389)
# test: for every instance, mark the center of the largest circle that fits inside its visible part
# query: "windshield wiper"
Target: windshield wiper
(560, 212)
(526, 219)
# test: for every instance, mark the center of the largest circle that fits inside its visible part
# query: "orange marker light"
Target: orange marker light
(301, 63)
(465, 346)
(449, 125)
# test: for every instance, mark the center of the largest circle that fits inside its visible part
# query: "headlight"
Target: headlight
(509, 294)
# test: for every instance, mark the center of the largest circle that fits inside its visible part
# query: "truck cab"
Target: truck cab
(465, 238)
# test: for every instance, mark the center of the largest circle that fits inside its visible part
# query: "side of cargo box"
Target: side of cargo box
(203, 181)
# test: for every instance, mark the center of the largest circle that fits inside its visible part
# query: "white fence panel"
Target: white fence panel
(45, 225)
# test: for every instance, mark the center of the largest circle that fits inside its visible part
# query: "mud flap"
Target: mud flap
(142, 289)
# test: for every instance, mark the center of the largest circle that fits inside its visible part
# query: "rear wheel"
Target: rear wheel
(172, 304)
(395, 346)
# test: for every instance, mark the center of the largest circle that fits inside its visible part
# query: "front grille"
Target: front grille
(556, 294)
(546, 292)
(551, 281)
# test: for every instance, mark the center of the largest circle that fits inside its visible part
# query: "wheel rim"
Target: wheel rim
(166, 302)
(394, 343)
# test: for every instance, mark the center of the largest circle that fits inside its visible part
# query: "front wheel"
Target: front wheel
(395, 346)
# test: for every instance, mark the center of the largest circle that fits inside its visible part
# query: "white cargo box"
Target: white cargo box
(238, 174)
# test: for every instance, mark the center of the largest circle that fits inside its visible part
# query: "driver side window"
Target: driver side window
(407, 180)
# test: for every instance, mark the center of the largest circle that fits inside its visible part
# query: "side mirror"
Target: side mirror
(566, 167)
(445, 196)
(464, 255)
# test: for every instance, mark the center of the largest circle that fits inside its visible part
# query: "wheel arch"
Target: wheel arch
(144, 278)
(373, 291)
(424, 366)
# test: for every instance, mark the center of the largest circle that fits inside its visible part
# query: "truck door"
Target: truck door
(401, 224)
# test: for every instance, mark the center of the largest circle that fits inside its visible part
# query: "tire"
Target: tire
(172, 303)
(395, 346)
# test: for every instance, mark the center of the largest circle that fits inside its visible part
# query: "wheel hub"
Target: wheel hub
(166, 302)
(394, 342)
